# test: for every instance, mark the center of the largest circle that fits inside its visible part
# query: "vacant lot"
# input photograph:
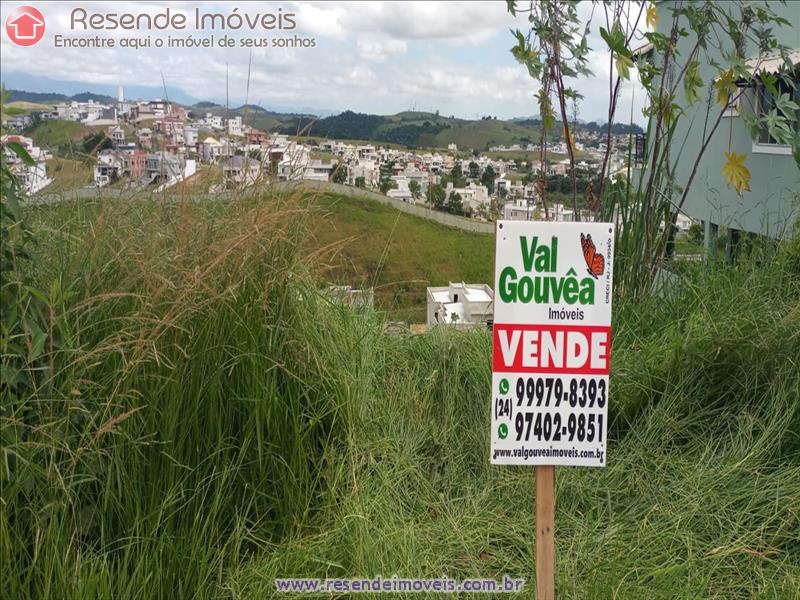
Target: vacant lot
(185, 415)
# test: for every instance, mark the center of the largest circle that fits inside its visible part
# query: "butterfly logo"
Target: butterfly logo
(594, 260)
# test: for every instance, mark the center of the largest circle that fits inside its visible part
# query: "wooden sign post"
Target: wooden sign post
(551, 341)
(545, 532)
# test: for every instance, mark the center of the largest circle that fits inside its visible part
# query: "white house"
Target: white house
(116, 134)
(401, 192)
(366, 152)
(296, 159)
(212, 149)
(317, 170)
(240, 170)
(473, 196)
(32, 178)
(462, 305)
(144, 136)
(109, 167)
(190, 134)
(235, 126)
(214, 121)
(520, 209)
(365, 169)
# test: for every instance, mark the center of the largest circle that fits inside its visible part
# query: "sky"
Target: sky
(375, 57)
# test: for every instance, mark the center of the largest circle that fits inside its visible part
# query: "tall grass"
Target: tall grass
(211, 422)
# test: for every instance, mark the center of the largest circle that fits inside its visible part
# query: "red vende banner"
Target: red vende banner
(568, 349)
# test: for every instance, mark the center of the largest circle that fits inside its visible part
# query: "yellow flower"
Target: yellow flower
(736, 174)
(651, 16)
(623, 64)
(726, 88)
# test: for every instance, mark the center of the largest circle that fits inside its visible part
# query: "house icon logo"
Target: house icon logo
(25, 26)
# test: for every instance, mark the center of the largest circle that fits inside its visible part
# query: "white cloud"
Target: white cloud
(378, 49)
(369, 56)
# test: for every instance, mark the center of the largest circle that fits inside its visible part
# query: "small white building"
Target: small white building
(473, 196)
(316, 170)
(365, 169)
(296, 159)
(401, 192)
(213, 149)
(240, 170)
(460, 305)
(144, 136)
(235, 126)
(32, 178)
(190, 134)
(109, 167)
(520, 209)
(117, 135)
(214, 121)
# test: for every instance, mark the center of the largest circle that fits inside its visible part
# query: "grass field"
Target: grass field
(398, 254)
(62, 138)
(13, 109)
(200, 421)
(68, 174)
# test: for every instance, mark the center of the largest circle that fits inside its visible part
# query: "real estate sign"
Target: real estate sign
(552, 343)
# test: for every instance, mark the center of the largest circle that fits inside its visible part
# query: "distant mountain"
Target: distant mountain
(414, 129)
(52, 98)
(409, 128)
(86, 96)
(617, 128)
(252, 108)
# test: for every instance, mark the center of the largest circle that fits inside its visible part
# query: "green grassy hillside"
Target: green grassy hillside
(63, 138)
(426, 130)
(186, 416)
(399, 254)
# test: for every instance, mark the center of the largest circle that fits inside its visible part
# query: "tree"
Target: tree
(436, 196)
(413, 187)
(556, 48)
(387, 184)
(454, 204)
(488, 177)
(474, 170)
(360, 182)
(340, 174)
(696, 234)
(718, 35)
(457, 175)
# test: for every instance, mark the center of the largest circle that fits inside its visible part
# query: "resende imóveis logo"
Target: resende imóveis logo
(25, 26)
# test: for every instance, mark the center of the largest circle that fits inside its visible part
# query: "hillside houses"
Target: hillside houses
(32, 178)
(89, 112)
(156, 142)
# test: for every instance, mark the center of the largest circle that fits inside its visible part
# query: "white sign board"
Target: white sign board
(552, 343)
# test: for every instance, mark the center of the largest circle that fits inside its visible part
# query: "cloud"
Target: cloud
(378, 49)
(460, 22)
(368, 56)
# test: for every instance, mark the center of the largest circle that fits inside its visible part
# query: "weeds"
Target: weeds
(212, 422)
